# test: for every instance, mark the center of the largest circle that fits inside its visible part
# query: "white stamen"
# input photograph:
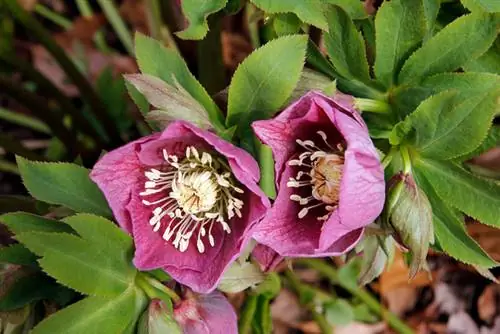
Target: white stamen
(195, 192)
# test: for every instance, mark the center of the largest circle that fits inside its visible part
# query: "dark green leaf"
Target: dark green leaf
(286, 24)
(310, 11)
(450, 230)
(156, 60)
(400, 29)
(265, 80)
(9, 203)
(17, 254)
(431, 10)
(196, 13)
(64, 184)
(95, 315)
(80, 264)
(20, 222)
(27, 289)
(477, 197)
(446, 52)
(345, 45)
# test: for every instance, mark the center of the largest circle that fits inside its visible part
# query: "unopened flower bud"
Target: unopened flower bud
(158, 319)
(409, 213)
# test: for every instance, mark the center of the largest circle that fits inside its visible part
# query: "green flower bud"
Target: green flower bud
(158, 319)
(409, 213)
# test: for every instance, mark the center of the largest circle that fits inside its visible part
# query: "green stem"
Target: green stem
(298, 287)
(99, 39)
(211, 70)
(153, 283)
(405, 155)
(8, 167)
(370, 105)
(359, 292)
(266, 162)
(87, 92)
(252, 23)
(24, 120)
(114, 18)
(386, 161)
(247, 314)
(53, 16)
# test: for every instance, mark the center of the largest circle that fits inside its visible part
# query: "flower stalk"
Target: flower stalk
(155, 289)
(370, 105)
(359, 292)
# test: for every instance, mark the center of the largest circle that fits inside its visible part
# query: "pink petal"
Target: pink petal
(116, 174)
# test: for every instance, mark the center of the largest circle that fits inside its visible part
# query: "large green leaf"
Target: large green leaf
(90, 268)
(477, 197)
(400, 29)
(469, 84)
(492, 140)
(345, 45)
(20, 222)
(310, 11)
(64, 184)
(464, 39)
(447, 130)
(488, 62)
(196, 12)
(450, 231)
(265, 80)
(490, 6)
(95, 315)
(431, 11)
(354, 8)
(156, 60)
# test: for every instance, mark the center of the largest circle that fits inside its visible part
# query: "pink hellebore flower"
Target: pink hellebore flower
(188, 198)
(329, 178)
(206, 314)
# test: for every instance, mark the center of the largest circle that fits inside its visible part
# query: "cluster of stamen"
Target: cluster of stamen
(321, 174)
(191, 196)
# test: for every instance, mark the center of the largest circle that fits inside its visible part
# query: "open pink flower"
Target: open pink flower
(188, 198)
(206, 314)
(329, 178)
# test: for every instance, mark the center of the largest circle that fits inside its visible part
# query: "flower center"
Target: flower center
(194, 194)
(322, 175)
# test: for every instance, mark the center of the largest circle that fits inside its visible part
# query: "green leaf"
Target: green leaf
(112, 92)
(446, 52)
(310, 11)
(490, 6)
(265, 79)
(400, 29)
(104, 234)
(447, 130)
(450, 230)
(139, 99)
(196, 12)
(354, 8)
(270, 287)
(27, 289)
(286, 24)
(240, 276)
(431, 11)
(488, 62)
(79, 264)
(348, 274)
(173, 102)
(262, 322)
(345, 45)
(20, 222)
(17, 254)
(95, 315)
(469, 84)
(156, 60)
(477, 197)
(339, 312)
(9, 203)
(374, 257)
(492, 140)
(63, 184)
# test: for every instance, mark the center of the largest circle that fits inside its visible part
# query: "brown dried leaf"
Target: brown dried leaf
(487, 303)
